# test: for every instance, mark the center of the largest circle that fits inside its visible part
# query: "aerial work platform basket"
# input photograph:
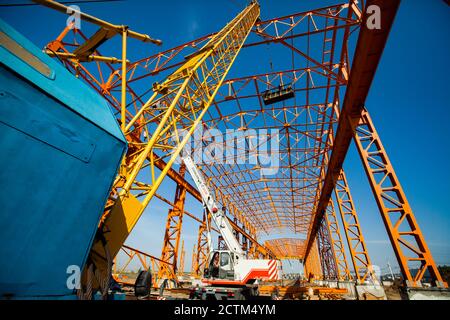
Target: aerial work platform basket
(280, 93)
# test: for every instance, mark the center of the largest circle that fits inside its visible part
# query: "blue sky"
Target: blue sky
(408, 101)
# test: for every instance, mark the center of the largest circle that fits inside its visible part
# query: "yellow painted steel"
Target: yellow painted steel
(178, 103)
(109, 26)
(124, 78)
(64, 55)
(123, 217)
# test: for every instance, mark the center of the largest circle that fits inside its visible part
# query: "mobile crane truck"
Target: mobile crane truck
(228, 274)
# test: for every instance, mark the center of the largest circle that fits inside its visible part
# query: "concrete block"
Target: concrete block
(370, 292)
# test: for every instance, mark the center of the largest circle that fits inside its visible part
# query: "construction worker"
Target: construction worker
(215, 265)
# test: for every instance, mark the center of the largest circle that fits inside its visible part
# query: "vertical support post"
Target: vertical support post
(326, 253)
(194, 260)
(180, 270)
(173, 232)
(202, 244)
(343, 271)
(356, 243)
(312, 265)
(408, 242)
(124, 79)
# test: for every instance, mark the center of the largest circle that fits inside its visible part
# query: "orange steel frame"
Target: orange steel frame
(407, 240)
(173, 233)
(352, 229)
(144, 260)
(343, 271)
(312, 265)
(326, 252)
(202, 245)
(287, 248)
(312, 149)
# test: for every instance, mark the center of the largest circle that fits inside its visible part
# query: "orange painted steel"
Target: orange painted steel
(173, 233)
(194, 260)
(202, 245)
(404, 233)
(145, 261)
(352, 230)
(312, 267)
(343, 272)
(326, 252)
(369, 49)
(298, 198)
(287, 248)
(180, 269)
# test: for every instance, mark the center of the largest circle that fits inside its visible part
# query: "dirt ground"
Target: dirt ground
(392, 293)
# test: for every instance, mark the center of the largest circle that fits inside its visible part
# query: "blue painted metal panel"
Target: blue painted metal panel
(60, 149)
(62, 85)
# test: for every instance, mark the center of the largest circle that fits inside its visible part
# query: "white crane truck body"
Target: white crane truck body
(231, 269)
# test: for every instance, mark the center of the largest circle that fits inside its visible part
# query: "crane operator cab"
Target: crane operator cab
(220, 265)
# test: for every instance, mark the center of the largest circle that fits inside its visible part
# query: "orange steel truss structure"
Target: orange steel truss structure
(342, 269)
(173, 233)
(326, 252)
(287, 248)
(144, 261)
(312, 264)
(315, 126)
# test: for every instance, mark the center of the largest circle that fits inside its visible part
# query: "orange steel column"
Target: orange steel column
(194, 259)
(173, 233)
(337, 243)
(404, 233)
(312, 266)
(353, 233)
(202, 245)
(181, 268)
(326, 252)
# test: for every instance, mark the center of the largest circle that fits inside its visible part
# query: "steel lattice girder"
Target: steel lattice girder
(302, 216)
(181, 101)
(324, 21)
(343, 271)
(368, 52)
(407, 240)
(312, 265)
(287, 248)
(326, 252)
(352, 230)
(173, 233)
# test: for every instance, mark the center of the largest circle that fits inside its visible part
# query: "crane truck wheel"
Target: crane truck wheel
(250, 293)
(143, 284)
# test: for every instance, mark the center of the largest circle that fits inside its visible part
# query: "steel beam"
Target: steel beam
(104, 24)
(343, 271)
(407, 240)
(352, 230)
(326, 252)
(369, 48)
(173, 233)
(202, 245)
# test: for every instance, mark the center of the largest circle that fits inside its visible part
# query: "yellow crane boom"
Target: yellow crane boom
(178, 103)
